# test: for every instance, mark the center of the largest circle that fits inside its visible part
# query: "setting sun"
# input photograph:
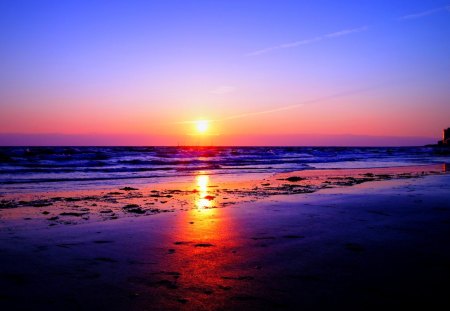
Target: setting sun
(202, 126)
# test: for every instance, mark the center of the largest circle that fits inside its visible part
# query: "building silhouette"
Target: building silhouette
(445, 137)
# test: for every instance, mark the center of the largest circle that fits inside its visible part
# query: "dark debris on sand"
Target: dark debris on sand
(128, 189)
(8, 204)
(75, 214)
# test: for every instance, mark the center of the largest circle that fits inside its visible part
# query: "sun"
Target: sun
(202, 126)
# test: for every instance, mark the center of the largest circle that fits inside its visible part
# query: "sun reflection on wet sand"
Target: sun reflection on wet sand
(202, 262)
(204, 199)
(205, 221)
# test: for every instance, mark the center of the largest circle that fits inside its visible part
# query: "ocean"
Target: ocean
(71, 168)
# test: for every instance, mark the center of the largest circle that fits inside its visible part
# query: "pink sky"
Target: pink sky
(264, 74)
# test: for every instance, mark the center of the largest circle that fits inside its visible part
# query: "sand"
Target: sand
(369, 244)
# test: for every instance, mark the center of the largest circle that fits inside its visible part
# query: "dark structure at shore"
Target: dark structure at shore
(444, 143)
(445, 137)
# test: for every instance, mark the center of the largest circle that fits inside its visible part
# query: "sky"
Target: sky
(261, 72)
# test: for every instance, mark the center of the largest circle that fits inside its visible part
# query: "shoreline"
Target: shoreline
(202, 191)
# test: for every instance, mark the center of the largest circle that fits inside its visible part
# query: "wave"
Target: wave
(66, 164)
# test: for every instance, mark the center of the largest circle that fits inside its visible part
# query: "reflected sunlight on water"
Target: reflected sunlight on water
(204, 199)
(204, 215)
(206, 264)
(203, 254)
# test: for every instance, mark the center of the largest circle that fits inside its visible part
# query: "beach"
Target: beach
(310, 240)
(224, 155)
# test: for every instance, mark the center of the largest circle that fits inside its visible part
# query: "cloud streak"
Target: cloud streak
(341, 33)
(346, 32)
(293, 106)
(306, 102)
(424, 13)
(295, 44)
(284, 46)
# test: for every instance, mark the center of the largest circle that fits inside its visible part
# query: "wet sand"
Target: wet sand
(364, 240)
(202, 191)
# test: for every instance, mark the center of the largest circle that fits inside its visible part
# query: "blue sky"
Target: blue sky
(180, 60)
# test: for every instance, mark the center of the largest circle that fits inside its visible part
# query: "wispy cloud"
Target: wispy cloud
(346, 32)
(284, 46)
(223, 89)
(340, 33)
(425, 13)
(306, 102)
(294, 106)
(295, 44)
